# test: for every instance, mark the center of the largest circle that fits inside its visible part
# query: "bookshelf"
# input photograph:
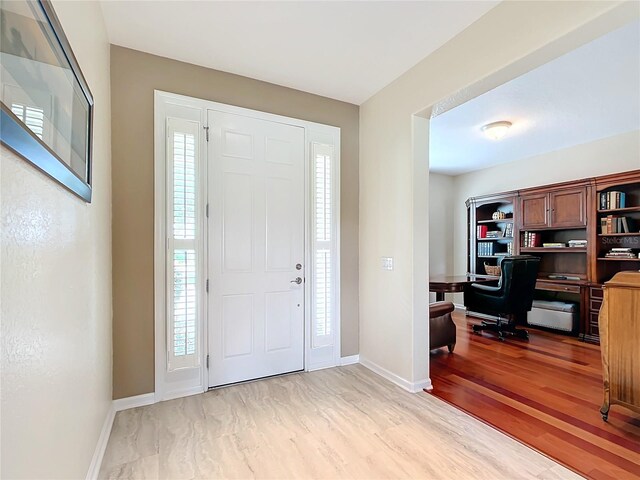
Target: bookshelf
(483, 247)
(558, 214)
(617, 214)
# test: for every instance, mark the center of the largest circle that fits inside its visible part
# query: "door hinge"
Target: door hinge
(207, 362)
(206, 210)
(206, 285)
(206, 131)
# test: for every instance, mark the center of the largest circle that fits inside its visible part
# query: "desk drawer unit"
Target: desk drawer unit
(595, 302)
(557, 287)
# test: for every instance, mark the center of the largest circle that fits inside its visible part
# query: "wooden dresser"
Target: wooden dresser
(619, 327)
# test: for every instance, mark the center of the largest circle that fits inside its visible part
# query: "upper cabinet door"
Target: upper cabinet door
(534, 211)
(568, 208)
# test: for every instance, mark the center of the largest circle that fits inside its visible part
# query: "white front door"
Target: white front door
(256, 248)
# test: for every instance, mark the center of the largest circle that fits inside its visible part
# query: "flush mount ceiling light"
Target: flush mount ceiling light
(496, 130)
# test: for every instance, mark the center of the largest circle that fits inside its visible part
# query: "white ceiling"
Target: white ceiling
(343, 50)
(590, 93)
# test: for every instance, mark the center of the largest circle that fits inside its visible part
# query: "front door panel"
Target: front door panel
(256, 238)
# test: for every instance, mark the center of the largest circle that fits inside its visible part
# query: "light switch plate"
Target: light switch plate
(387, 263)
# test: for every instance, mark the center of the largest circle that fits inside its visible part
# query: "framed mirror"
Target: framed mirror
(47, 107)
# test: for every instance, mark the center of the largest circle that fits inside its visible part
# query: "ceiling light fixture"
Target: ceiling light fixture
(496, 130)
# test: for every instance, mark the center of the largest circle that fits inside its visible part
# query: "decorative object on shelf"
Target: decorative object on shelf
(47, 107)
(492, 269)
(498, 215)
(496, 130)
(508, 230)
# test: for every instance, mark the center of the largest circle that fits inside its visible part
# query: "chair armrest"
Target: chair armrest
(438, 309)
(486, 288)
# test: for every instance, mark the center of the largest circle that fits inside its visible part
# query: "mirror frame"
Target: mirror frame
(16, 136)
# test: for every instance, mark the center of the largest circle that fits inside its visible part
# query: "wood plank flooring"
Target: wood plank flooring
(344, 422)
(546, 393)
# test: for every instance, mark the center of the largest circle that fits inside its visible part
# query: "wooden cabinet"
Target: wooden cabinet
(619, 339)
(534, 211)
(566, 208)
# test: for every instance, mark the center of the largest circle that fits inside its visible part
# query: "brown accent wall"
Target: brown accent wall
(134, 77)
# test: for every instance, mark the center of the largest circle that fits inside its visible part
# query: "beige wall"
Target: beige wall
(393, 329)
(134, 76)
(56, 291)
(441, 208)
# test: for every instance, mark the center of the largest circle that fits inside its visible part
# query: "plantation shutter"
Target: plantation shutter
(183, 256)
(32, 117)
(323, 304)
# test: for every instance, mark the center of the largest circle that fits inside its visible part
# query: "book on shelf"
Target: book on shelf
(577, 243)
(531, 239)
(616, 224)
(493, 234)
(621, 252)
(486, 249)
(482, 231)
(553, 245)
(612, 200)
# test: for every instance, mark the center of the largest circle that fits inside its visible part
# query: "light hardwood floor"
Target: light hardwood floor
(342, 422)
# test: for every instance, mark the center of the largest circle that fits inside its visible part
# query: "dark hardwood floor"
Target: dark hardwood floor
(546, 392)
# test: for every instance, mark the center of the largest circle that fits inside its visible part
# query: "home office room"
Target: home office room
(534, 203)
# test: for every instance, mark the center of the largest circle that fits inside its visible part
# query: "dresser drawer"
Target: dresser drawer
(557, 287)
(595, 304)
(595, 292)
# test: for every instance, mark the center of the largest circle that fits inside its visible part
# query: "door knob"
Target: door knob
(297, 281)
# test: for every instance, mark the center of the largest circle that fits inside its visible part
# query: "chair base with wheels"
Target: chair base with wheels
(503, 327)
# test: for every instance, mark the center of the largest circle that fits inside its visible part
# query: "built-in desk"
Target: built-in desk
(579, 290)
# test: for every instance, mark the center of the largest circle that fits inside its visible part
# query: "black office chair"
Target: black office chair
(512, 298)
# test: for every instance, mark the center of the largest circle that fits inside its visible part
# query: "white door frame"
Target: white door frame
(314, 132)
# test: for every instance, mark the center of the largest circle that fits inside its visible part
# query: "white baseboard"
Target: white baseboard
(412, 387)
(101, 446)
(133, 402)
(116, 406)
(350, 360)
